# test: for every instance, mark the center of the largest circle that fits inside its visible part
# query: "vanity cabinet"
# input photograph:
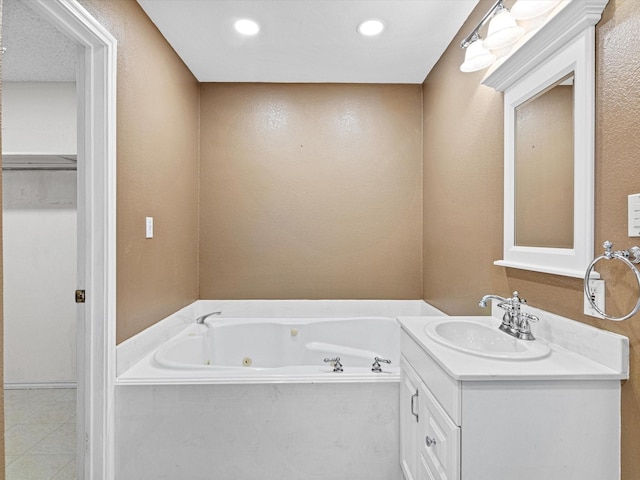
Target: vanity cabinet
(505, 427)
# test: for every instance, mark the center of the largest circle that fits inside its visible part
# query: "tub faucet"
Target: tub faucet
(335, 362)
(515, 322)
(376, 364)
(200, 320)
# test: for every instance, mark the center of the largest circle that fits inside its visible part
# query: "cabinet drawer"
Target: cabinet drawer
(445, 388)
(439, 438)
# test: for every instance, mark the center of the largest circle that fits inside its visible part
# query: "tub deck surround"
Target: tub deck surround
(178, 418)
(293, 431)
(264, 350)
(135, 349)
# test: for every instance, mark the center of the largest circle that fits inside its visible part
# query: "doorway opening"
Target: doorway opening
(39, 263)
(94, 53)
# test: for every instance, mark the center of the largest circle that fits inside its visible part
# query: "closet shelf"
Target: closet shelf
(28, 161)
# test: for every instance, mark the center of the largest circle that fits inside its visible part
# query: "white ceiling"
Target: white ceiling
(309, 40)
(35, 50)
(300, 40)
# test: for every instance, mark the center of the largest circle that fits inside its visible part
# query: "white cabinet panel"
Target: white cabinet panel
(541, 430)
(424, 472)
(443, 387)
(409, 392)
(440, 438)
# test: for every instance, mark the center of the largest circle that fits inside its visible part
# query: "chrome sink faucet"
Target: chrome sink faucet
(515, 322)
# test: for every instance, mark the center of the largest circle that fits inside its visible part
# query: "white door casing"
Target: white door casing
(96, 87)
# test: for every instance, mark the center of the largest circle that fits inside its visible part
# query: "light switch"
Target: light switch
(634, 215)
(149, 224)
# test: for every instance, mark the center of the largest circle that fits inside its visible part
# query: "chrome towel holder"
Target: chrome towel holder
(628, 257)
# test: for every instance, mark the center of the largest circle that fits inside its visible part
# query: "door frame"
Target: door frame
(96, 319)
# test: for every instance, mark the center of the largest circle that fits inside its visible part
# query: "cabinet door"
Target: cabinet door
(439, 438)
(424, 472)
(409, 392)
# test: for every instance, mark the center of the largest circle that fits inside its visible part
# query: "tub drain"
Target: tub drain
(246, 361)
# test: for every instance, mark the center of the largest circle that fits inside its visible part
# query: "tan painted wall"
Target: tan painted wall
(463, 194)
(310, 191)
(157, 170)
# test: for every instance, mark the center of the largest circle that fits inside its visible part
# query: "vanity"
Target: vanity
(476, 404)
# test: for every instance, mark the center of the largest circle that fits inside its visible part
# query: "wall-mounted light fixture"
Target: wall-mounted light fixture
(505, 29)
(476, 57)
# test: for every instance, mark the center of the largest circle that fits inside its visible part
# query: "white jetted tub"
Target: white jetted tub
(287, 347)
(246, 396)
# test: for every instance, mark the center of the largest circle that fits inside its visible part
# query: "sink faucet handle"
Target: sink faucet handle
(516, 299)
(508, 306)
(512, 305)
(524, 328)
(512, 309)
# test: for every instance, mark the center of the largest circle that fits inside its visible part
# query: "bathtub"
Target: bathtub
(249, 396)
(287, 349)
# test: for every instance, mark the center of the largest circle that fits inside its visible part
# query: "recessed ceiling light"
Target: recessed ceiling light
(370, 28)
(246, 27)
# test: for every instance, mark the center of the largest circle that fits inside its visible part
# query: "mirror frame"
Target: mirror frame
(565, 44)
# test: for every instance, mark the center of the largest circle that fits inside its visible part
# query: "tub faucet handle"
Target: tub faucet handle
(335, 362)
(376, 364)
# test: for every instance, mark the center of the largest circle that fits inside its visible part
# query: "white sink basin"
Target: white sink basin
(477, 338)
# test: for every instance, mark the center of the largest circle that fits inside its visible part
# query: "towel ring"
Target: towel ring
(622, 255)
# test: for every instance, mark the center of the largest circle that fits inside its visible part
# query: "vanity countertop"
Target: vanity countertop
(578, 352)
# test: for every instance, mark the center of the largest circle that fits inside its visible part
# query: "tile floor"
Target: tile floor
(40, 434)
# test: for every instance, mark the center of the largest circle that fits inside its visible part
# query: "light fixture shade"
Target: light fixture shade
(503, 31)
(476, 57)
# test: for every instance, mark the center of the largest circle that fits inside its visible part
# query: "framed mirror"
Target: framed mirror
(549, 129)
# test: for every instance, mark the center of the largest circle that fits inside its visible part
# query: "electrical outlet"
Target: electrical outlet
(596, 291)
